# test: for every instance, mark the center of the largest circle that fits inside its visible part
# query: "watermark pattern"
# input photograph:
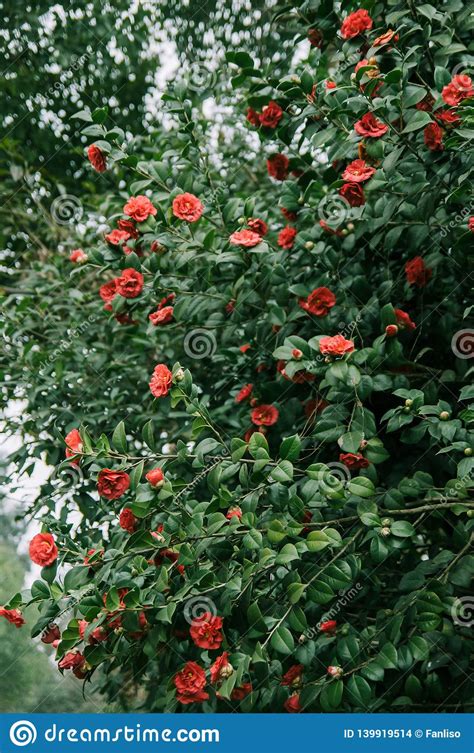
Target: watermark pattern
(462, 343)
(200, 77)
(338, 474)
(333, 210)
(69, 475)
(23, 733)
(196, 607)
(345, 597)
(462, 611)
(199, 344)
(66, 209)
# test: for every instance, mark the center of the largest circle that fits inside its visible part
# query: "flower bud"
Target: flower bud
(350, 226)
(309, 245)
(387, 521)
(297, 353)
(391, 330)
(335, 671)
(408, 403)
(385, 531)
(179, 376)
(226, 671)
(444, 415)
(468, 452)
(155, 478)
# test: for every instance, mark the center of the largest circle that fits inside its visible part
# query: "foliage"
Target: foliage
(355, 505)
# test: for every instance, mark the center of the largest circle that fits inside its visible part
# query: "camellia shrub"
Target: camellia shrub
(283, 521)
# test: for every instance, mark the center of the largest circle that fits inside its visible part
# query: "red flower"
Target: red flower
(162, 316)
(108, 291)
(385, 38)
(161, 380)
(448, 117)
(353, 460)
(12, 615)
(459, 88)
(315, 38)
(264, 415)
(72, 660)
(335, 346)
(328, 627)
(130, 284)
(221, 669)
(318, 302)
(271, 115)
(286, 237)
(292, 704)
(277, 166)
(353, 193)
(116, 237)
(90, 554)
(244, 348)
(470, 224)
(328, 229)
(403, 320)
(290, 216)
(129, 227)
(43, 550)
(330, 85)
(426, 104)
(51, 634)
(234, 512)
(358, 171)
(370, 127)
(258, 226)
(112, 484)
(190, 683)
(355, 23)
(187, 207)
(335, 671)
(78, 256)
(253, 117)
(292, 677)
(139, 208)
(73, 444)
(247, 238)
(97, 158)
(97, 635)
(417, 273)
(433, 136)
(155, 477)
(127, 520)
(238, 694)
(244, 393)
(205, 631)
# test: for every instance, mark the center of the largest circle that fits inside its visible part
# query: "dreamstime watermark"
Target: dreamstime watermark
(196, 607)
(462, 343)
(64, 345)
(345, 598)
(23, 733)
(333, 210)
(66, 209)
(457, 219)
(199, 344)
(200, 76)
(462, 611)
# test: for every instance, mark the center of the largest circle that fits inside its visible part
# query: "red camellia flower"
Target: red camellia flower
(335, 346)
(162, 316)
(286, 237)
(244, 393)
(328, 627)
(12, 615)
(319, 302)
(244, 348)
(417, 273)
(139, 208)
(391, 330)
(292, 704)
(127, 520)
(155, 477)
(130, 283)
(355, 23)
(470, 224)
(161, 380)
(205, 631)
(426, 104)
(271, 115)
(253, 117)
(108, 291)
(403, 320)
(73, 444)
(234, 512)
(331, 84)
(97, 635)
(128, 226)
(78, 256)
(112, 484)
(353, 193)
(190, 683)
(71, 660)
(43, 550)
(433, 137)
(293, 676)
(277, 166)
(247, 238)
(258, 226)
(264, 415)
(51, 634)
(238, 694)
(459, 88)
(221, 669)
(358, 171)
(97, 158)
(370, 127)
(353, 460)
(448, 117)
(117, 237)
(290, 216)
(187, 207)
(385, 38)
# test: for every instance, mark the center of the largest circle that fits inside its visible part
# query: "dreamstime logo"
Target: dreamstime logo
(462, 343)
(66, 209)
(69, 475)
(462, 611)
(333, 210)
(23, 733)
(338, 474)
(196, 607)
(463, 69)
(200, 77)
(200, 343)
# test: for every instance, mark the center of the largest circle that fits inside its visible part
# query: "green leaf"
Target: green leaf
(119, 439)
(283, 472)
(282, 641)
(358, 691)
(402, 528)
(350, 442)
(290, 448)
(361, 487)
